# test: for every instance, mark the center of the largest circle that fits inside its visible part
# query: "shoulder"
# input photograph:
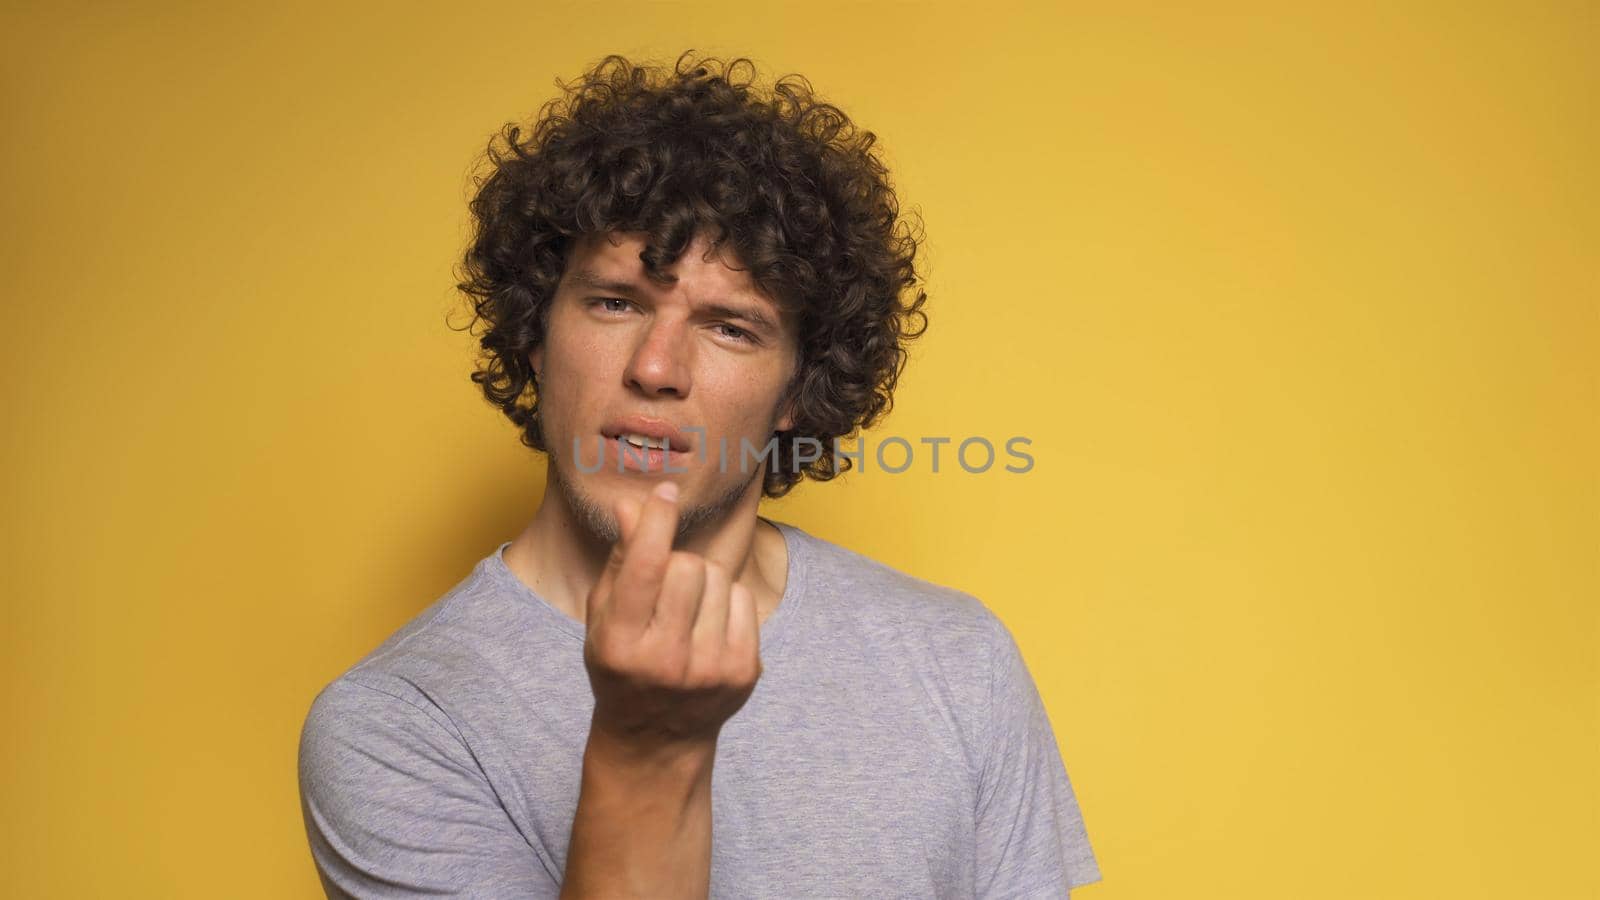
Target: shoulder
(863, 598)
(471, 633)
(921, 644)
(833, 570)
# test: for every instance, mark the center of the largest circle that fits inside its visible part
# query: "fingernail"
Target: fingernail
(667, 490)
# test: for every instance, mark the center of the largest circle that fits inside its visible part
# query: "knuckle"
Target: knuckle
(604, 652)
(701, 677)
(670, 666)
(748, 672)
(733, 672)
(650, 561)
(685, 563)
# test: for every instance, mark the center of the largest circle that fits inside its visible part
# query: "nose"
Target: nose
(660, 363)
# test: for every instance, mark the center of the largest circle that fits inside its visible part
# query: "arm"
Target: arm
(1031, 837)
(643, 825)
(396, 806)
(672, 651)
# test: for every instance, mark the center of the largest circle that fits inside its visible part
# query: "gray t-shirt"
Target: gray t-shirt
(895, 746)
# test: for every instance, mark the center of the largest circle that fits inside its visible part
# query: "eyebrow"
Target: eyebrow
(749, 314)
(589, 279)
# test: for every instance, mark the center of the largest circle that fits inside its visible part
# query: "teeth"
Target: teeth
(639, 440)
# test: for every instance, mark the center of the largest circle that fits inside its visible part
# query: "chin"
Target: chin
(590, 503)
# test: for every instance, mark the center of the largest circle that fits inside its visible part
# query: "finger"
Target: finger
(744, 630)
(710, 634)
(626, 510)
(680, 599)
(645, 556)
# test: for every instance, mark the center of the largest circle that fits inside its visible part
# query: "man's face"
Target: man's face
(626, 358)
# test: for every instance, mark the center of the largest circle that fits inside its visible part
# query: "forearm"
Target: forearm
(643, 824)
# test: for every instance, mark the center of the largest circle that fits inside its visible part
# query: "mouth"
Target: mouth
(643, 445)
(648, 434)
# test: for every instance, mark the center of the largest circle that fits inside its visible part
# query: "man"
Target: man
(675, 269)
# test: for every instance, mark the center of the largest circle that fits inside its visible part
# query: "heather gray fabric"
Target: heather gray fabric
(895, 746)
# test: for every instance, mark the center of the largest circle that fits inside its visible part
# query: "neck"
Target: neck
(561, 559)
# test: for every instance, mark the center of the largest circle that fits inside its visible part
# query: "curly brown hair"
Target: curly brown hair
(786, 179)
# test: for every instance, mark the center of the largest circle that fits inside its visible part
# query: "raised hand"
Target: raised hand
(673, 646)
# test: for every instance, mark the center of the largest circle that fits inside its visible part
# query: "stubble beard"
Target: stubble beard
(601, 523)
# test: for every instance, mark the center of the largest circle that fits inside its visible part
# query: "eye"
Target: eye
(610, 304)
(738, 334)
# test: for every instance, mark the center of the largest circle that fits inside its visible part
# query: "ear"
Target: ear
(536, 358)
(790, 400)
(786, 421)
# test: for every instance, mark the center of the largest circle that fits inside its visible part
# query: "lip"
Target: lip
(616, 455)
(653, 428)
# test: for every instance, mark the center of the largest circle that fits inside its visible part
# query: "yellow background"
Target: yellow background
(1298, 308)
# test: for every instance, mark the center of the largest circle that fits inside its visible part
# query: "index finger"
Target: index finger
(645, 554)
(626, 510)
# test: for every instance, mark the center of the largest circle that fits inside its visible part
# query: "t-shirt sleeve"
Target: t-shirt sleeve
(1031, 837)
(395, 805)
